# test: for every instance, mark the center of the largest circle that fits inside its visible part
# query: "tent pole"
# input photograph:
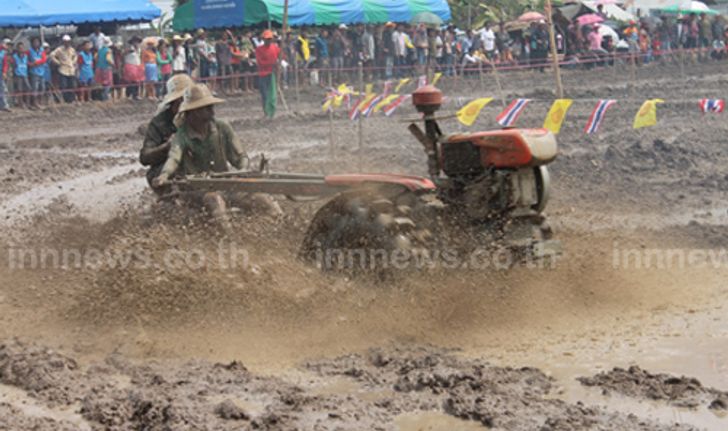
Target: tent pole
(42, 37)
(554, 53)
(284, 38)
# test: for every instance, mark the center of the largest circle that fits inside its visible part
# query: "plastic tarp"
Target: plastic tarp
(237, 13)
(33, 13)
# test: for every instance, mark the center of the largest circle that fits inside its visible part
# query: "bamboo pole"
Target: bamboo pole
(554, 53)
(361, 119)
(279, 75)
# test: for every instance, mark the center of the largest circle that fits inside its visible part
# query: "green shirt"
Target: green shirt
(192, 154)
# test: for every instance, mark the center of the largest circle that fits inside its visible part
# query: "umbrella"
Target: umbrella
(590, 18)
(690, 7)
(427, 18)
(531, 16)
(605, 31)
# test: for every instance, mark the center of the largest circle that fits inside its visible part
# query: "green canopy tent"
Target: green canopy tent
(239, 13)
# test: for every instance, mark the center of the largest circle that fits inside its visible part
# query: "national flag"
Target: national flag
(367, 110)
(597, 116)
(557, 114)
(384, 102)
(469, 113)
(389, 109)
(508, 117)
(712, 105)
(436, 78)
(402, 83)
(647, 115)
(422, 81)
(354, 111)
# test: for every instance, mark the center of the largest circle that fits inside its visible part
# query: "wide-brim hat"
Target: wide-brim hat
(178, 38)
(390, 24)
(198, 96)
(176, 87)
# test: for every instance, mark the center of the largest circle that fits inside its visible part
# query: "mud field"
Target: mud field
(591, 341)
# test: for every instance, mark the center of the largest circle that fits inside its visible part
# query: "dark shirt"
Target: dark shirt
(159, 132)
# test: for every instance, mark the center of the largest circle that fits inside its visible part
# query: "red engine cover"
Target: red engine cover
(512, 148)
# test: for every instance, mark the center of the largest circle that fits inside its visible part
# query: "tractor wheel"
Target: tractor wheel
(360, 232)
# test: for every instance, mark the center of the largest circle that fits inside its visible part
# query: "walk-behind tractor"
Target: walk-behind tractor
(486, 192)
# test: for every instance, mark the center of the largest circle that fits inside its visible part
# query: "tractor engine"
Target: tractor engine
(486, 175)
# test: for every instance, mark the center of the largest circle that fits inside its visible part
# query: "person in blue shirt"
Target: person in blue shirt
(322, 54)
(85, 72)
(21, 60)
(37, 61)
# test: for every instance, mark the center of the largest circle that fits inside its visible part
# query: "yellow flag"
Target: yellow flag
(338, 100)
(369, 89)
(469, 113)
(556, 115)
(327, 104)
(436, 78)
(386, 101)
(647, 115)
(402, 83)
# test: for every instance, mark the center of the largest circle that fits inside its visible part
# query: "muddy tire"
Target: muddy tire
(364, 232)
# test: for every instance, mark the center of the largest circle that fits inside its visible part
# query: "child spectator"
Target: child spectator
(133, 70)
(37, 63)
(164, 60)
(151, 71)
(104, 65)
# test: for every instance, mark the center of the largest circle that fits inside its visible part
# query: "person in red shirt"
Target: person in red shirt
(4, 67)
(266, 56)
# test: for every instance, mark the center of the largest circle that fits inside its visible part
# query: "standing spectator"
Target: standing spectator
(151, 70)
(85, 71)
(20, 73)
(706, 35)
(421, 44)
(66, 59)
(117, 52)
(179, 55)
(133, 70)
(47, 75)
(338, 51)
(104, 65)
(247, 51)
(487, 40)
(97, 39)
(224, 62)
(202, 52)
(368, 52)
(400, 50)
(322, 55)
(38, 60)
(236, 61)
(267, 57)
(449, 50)
(4, 66)
(388, 49)
(164, 62)
(539, 45)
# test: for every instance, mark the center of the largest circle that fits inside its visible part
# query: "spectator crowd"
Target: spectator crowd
(98, 67)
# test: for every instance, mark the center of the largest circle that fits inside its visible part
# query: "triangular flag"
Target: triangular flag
(389, 109)
(469, 113)
(436, 78)
(556, 115)
(647, 115)
(369, 89)
(327, 106)
(402, 83)
(422, 81)
(385, 101)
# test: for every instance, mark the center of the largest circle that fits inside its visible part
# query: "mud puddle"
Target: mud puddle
(434, 421)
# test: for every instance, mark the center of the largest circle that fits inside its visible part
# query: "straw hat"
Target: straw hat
(178, 38)
(390, 24)
(176, 87)
(198, 96)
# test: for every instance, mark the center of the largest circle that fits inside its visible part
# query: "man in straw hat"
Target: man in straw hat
(162, 128)
(203, 144)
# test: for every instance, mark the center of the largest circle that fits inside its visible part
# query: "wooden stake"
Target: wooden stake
(361, 120)
(554, 53)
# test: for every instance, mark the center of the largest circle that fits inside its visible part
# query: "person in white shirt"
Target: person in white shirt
(400, 50)
(179, 56)
(487, 40)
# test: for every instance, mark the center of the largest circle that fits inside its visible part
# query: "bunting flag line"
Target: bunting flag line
(386, 100)
(557, 114)
(389, 109)
(712, 105)
(647, 115)
(421, 81)
(436, 78)
(469, 113)
(508, 117)
(402, 83)
(597, 116)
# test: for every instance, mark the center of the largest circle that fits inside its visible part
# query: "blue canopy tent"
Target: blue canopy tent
(34, 13)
